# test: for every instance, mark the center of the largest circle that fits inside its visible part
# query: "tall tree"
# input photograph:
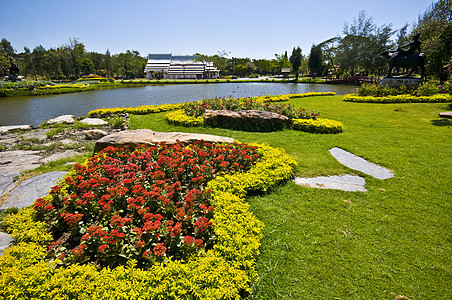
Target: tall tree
(76, 50)
(295, 61)
(315, 62)
(434, 28)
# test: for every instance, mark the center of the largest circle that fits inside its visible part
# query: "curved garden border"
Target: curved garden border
(226, 271)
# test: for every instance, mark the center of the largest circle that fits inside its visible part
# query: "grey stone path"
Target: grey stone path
(31, 189)
(348, 183)
(360, 164)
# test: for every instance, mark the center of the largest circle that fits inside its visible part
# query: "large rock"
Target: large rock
(399, 81)
(94, 121)
(246, 120)
(31, 189)
(4, 129)
(147, 136)
(19, 160)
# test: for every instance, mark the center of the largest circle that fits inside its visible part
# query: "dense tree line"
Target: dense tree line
(355, 52)
(70, 61)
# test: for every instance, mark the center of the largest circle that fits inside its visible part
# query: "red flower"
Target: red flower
(159, 249)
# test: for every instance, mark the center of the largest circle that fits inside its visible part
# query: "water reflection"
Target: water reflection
(35, 110)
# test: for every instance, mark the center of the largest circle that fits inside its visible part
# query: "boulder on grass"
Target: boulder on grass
(246, 120)
(147, 136)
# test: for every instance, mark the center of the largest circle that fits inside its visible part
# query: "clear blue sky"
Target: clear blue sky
(245, 28)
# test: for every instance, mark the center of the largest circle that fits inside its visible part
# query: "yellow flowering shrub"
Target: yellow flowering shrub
(140, 110)
(223, 272)
(179, 117)
(317, 126)
(406, 98)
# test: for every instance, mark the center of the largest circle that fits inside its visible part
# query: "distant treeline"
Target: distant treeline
(355, 52)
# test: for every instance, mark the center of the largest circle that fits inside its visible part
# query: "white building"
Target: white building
(179, 67)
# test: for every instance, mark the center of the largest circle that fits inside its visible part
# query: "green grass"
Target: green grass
(393, 240)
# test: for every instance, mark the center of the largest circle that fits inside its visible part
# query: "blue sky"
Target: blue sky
(246, 28)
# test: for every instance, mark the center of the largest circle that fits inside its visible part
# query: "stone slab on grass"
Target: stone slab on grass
(5, 241)
(360, 164)
(348, 183)
(31, 189)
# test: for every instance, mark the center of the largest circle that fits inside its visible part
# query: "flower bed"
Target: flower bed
(197, 109)
(406, 98)
(225, 270)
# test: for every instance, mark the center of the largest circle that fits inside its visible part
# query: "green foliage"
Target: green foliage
(380, 91)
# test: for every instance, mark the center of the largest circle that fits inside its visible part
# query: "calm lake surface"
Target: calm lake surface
(37, 109)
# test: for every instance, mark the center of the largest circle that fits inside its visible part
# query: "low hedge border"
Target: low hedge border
(317, 126)
(399, 98)
(225, 272)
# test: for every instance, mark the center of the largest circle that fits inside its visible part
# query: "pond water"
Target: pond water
(37, 109)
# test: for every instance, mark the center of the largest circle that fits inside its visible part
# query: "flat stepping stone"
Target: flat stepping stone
(347, 183)
(4, 129)
(360, 164)
(447, 114)
(5, 241)
(31, 189)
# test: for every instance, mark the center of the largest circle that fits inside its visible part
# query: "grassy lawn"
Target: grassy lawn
(394, 240)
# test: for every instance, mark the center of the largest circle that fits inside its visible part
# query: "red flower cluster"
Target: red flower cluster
(146, 204)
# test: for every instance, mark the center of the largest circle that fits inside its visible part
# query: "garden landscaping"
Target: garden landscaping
(390, 242)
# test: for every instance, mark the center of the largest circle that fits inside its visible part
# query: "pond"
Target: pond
(37, 109)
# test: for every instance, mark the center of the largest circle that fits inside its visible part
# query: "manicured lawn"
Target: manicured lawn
(395, 239)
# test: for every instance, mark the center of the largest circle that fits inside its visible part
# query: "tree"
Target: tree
(295, 61)
(329, 50)
(434, 28)
(6, 53)
(315, 62)
(359, 50)
(76, 50)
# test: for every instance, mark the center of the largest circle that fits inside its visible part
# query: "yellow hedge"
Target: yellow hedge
(224, 272)
(407, 98)
(317, 126)
(140, 110)
(179, 117)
